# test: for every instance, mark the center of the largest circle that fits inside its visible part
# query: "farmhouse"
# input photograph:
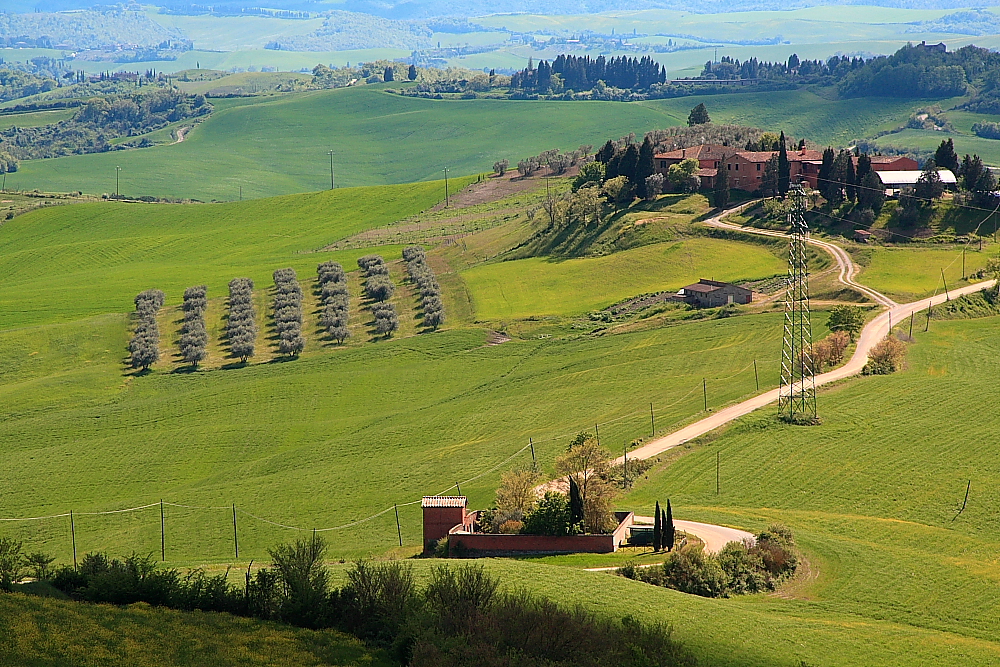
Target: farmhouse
(711, 293)
(449, 517)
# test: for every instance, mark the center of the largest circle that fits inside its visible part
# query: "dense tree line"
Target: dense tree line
(335, 299)
(583, 73)
(144, 347)
(557, 162)
(194, 336)
(242, 326)
(288, 312)
(633, 163)
(379, 288)
(461, 616)
(430, 291)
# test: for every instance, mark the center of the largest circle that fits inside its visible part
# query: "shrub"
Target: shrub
(690, 571)
(379, 287)
(12, 563)
(304, 580)
(551, 516)
(886, 357)
(849, 319)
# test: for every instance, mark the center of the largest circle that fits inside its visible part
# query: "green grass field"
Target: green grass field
(40, 632)
(910, 273)
(545, 287)
(242, 145)
(872, 495)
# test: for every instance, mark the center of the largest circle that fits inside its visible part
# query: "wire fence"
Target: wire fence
(624, 430)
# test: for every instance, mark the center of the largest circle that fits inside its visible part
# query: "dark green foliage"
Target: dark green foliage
(551, 516)
(584, 72)
(605, 153)
(720, 194)
(846, 318)
(978, 180)
(851, 180)
(657, 529)
(784, 168)
(737, 568)
(241, 329)
(699, 115)
(629, 163)
(144, 347)
(194, 336)
(411, 73)
(377, 600)
(871, 192)
(288, 312)
(644, 167)
(335, 300)
(423, 277)
(864, 167)
(388, 75)
(946, 157)
(576, 515)
(304, 580)
(669, 532)
(379, 288)
(824, 181)
(914, 71)
(929, 185)
(769, 180)
(12, 563)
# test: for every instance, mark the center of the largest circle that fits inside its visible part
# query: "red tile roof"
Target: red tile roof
(701, 152)
(444, 501)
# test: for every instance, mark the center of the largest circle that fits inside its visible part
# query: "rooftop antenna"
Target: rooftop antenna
(797, 391)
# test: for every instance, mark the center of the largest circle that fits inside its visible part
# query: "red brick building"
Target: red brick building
(744, 168)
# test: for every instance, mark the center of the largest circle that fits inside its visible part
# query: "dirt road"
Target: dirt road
(873, 332)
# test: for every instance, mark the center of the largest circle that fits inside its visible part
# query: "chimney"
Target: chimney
(684, 152)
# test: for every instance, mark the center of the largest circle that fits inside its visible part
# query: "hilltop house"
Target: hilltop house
(711, 293)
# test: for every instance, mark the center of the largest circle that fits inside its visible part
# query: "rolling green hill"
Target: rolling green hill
(271, 146)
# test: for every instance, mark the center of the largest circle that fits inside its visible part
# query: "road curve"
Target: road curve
(714, 537)
(873, 332)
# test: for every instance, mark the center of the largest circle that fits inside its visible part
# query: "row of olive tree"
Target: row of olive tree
(288, 312)
(145, 344)
(194, 336)
(430, 291)
(242, 326)
(379, 288)
(334, 298)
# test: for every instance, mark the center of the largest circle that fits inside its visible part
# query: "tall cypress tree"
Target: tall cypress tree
(606, 152)
(668, 528)
(945, 156)
(784, 168)
(629, 164)
(657, 529)
(851, 180)
(825, 171)
(644, 168)
(864, 166)
(721, 195)
(575, 503)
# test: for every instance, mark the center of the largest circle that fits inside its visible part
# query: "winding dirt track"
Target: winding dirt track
(873, 332)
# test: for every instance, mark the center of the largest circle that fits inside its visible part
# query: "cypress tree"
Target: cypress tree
(784, 168)
(851, 180)
(657, 529)
(645, 167)
(629, 165)
(864, 166)
(946, 157)
(825, 172)
(699, 115)
(721, 194)
(606, 152)
(575, 503)
(411, 74)
(668, 528)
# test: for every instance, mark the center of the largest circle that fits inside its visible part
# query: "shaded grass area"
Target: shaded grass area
(39, 632)
(873, 493)
(544, 287)
(329, 438)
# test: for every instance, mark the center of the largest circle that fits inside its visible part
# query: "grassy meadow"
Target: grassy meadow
(906, 274)
(239, 147)
(873, 495)
(544, 287)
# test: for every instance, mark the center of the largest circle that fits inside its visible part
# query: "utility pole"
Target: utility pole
(118, 170)
(597, 431)
(964, 274)
(704, 390)
(72, 531)
(534, 462)
(946, 295)
(756, 378)
(652, 422)
(163, 534)
(332, 185)
(718, 466)
(399, 531)
(447, 202)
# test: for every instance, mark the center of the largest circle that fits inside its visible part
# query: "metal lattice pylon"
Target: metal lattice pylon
(797, 391)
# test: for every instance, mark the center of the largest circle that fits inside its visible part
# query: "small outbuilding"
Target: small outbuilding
(862, 235)
(711, 293)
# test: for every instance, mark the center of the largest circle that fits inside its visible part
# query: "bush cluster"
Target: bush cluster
(462, 617)
(379, 288)
(886, 357)
(242, 326)
(335, 299)
(288, 312)
(430, 291)
(145, 344)
(737, 569)
(194, 337)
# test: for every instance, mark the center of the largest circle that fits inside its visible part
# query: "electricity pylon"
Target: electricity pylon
(797, 391)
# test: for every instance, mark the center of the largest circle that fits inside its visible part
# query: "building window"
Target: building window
(758, 166)
(663, 164)
(729, 167)
(737, 166)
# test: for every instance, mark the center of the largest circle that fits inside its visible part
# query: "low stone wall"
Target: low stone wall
(500, 544)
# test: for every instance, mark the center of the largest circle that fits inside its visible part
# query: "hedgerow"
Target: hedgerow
(335, 299)
(145, 344)
(430, 291)
(288, 312)
(379, 288)
(242, 326)
(194, 336)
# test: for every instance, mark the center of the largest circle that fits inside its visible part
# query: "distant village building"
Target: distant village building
(711, 293)
(862, 235)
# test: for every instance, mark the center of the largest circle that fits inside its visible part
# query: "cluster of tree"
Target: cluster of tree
(462, 615)
(664, 531)
(241, 329)
(15, 84)
(634, 164)
(145, 344)
(986, 130)
(568, 72)
(829, 351)
(738, 569)
(288, 312)
(792, 70)
(342, 30)
(335, 299)
(109, 26)
(557, 162)
(379, 288)
(430, 291)
(846, 319)
(102, 119)
(194, 336)
(839, 181)
(737, 136)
